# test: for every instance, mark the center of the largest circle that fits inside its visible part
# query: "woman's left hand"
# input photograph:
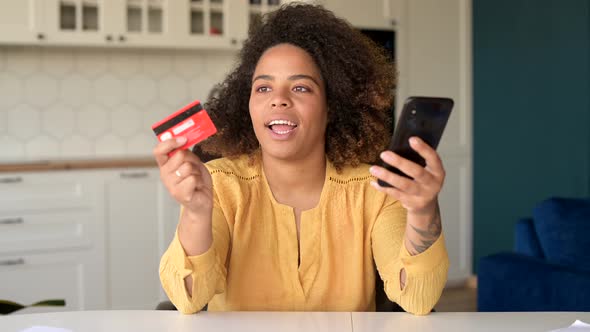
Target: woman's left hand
(418, 196)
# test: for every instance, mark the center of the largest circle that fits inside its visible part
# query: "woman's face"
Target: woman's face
(288, 104)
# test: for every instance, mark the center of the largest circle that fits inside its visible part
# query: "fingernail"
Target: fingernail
(413, 140)
(373, 170)
(181, 140)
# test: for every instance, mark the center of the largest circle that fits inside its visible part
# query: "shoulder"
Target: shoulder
(353, 185)
(352, 175)
(357, 180)
(242, 168)
(234, 181)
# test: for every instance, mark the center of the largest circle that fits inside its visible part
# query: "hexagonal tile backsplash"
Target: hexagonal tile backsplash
(69, 103)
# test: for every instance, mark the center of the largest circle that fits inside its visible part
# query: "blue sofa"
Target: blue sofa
(549, 269)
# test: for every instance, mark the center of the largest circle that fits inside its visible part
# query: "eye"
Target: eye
(300, 88)
(262, 89)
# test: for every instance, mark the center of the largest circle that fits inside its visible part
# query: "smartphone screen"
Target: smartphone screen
(425, 117)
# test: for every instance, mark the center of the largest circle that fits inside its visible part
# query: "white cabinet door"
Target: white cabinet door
(76, 277)
(157, 213)
(258, 8)
(52, 238)
(369, 14)
(132, 239)
(20, 21)
(48, 230)
(168, 214)
(22, 192)
(76, 22)
(211, 24)
(143, 23)
(238, 21)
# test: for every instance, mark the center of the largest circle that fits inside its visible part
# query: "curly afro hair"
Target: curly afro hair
(359, 80)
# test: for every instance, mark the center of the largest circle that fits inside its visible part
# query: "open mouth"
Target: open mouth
(281, 127)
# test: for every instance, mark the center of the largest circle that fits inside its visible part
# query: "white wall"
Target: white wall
(61, 103)
(434, 59)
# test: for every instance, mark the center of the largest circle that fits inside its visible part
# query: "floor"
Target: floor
(463, 299)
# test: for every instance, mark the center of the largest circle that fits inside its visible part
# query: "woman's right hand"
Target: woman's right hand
(186, 178)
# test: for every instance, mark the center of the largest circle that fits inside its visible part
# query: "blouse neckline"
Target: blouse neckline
(329, 171)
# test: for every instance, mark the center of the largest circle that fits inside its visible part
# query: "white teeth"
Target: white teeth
(282, 122)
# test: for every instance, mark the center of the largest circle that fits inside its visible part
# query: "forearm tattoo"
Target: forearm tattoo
(428, 236)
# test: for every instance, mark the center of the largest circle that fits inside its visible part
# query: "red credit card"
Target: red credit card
(191, 121)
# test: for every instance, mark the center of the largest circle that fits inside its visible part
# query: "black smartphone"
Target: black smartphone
(425, 117)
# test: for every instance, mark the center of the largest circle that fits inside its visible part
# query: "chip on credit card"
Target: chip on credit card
(191, 121)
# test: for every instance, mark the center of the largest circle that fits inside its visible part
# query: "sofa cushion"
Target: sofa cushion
(514, 282)
(526, 241)
(563, 227)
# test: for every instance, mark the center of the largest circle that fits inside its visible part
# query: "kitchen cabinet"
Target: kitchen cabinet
(141, 222)
(91, 237)
(258, 8)
(31, 230)
(168, 214)
(190, 24)
(132, 246)
(73, 276)
(52, 239)
(20, 21)
(369, 14)
(212, 23)
(184, 24)
(77, 22)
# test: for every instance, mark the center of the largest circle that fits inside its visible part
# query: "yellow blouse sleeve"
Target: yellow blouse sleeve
(208, 270)
(426, 273)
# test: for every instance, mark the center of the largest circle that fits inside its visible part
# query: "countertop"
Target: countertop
(61, 165)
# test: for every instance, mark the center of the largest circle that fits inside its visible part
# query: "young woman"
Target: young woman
(292, 217)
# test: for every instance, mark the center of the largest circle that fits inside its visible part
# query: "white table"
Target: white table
(466, 321)
(174, 321)
(128, 321)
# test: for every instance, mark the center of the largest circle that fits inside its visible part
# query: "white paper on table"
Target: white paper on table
(577, 326)
(45, 329)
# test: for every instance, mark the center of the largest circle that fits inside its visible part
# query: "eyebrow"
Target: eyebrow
(290, 78)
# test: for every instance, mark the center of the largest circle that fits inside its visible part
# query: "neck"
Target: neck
(289, 179)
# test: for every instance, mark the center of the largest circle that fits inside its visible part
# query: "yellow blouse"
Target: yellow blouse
(253, 263)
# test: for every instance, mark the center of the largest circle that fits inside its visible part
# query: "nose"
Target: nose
(280, 100)
(279, 103)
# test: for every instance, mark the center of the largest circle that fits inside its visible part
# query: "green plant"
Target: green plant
(7, 307)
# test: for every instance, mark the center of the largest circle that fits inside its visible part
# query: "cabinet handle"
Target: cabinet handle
(109, 38)
(134, 175)
(11, 221)
(234, 41)
(11, 262)
(122, 38)
(16, 179)
(40, 36)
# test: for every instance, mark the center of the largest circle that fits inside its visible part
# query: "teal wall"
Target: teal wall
(531, 111)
